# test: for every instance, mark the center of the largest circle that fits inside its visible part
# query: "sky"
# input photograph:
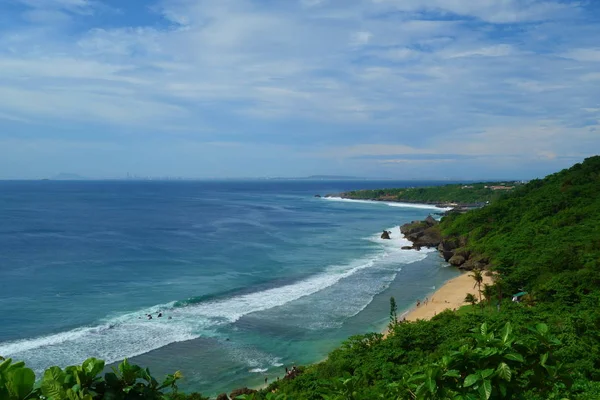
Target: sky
(403, 89)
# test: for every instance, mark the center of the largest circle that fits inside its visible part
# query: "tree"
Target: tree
(478, 278)
(470, 298)
(393, 312)
(488, 292)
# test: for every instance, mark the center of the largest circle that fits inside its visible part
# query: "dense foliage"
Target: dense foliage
(84, 382)
(461, 193)
(543, 238)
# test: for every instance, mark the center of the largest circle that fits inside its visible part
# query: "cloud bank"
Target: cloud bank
(217, 88)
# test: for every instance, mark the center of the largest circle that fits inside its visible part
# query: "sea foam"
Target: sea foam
(391, 204)
(132, 334)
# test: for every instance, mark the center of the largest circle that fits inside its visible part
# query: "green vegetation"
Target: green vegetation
(542, 238)
(456, 193)
(83, 382)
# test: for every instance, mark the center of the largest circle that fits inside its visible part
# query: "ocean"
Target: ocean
(250, 276)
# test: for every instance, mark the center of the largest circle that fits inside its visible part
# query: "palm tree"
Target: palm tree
(470, 298)
(478, 277)
(488, 293)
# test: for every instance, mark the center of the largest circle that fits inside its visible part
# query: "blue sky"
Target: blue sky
(423, 89)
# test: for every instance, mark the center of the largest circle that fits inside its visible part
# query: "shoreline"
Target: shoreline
(450, 296)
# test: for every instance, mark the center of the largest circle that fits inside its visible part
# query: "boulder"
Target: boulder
(241, 391)
(431, 221)
(407, 247)
(385, 235)
(461, 251)
(430, 237)
(478, 262)
(222, 396)
(448, 244)
(457, 260)
(447, 255)
(318, 195)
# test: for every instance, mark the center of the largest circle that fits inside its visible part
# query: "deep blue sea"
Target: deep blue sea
(250, 276)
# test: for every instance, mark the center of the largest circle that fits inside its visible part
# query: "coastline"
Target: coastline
(450, 296)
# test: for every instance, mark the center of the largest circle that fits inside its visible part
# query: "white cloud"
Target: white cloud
(361, 38)
(585, 54)
(407, 80)
(494, 11)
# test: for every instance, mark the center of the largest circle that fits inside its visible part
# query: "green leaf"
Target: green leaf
(470, 380)
(4, 365)
(484, 329)
(543, 359)
(55, 374)
(514, 357)
(431, 384)
(504, 372)
(453, 373)
(16, 365)
(542, 329)
(53, 390)
(502, 388)
(20, 382)
(486, 389)
(506, 332)
(92, 367)
(486, 373)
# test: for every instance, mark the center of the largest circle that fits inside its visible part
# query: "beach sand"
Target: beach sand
(450, 296)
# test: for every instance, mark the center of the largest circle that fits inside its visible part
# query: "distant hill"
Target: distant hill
(446, 194)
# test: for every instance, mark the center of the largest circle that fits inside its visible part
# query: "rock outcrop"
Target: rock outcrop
(222, 396)
(454, 250)
(318, 195)
(423, 233)
(457, 260)
(386, 235)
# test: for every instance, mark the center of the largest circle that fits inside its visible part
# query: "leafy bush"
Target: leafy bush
(126, 382)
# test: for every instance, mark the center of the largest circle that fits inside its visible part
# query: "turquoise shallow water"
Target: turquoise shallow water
(254, 275)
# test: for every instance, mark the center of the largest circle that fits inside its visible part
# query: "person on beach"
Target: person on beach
(418, 303)
(266, 379)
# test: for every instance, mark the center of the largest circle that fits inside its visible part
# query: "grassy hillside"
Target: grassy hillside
(455, 193)
(543, 238)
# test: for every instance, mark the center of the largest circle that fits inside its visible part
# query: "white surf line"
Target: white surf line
(391, 203)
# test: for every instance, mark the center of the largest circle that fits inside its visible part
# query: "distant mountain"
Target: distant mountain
(65, 176)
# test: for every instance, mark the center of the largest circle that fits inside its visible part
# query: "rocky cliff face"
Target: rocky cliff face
(454, 250)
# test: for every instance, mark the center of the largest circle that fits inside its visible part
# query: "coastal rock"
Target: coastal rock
(430, 237)
(423, 233)
(447, 255)
(478, 262)
(318, 195)
(431, 221)
(461, 251)
(222, 396)
(241, 391)
(448, 244)
(457, 260)
(386, 235)
(407, 247)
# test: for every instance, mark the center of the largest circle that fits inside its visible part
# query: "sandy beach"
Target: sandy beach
(450, 296)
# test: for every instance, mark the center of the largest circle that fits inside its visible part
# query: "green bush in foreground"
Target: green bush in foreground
(84, 382)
